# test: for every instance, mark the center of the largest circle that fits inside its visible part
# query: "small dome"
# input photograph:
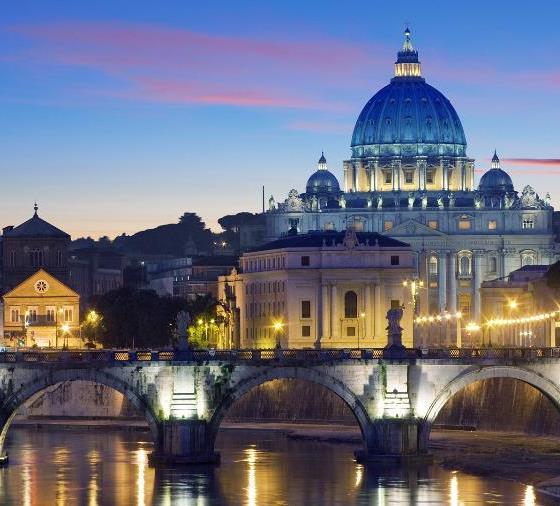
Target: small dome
(322, 181)
(495, 179)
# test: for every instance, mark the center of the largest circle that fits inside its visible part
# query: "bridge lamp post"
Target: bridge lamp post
(363, 325)
(413, 286)
(512, 305)
(65, 329)
(277, 326)
(471, 328)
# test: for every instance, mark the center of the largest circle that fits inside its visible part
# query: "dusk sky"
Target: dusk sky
(119, 115)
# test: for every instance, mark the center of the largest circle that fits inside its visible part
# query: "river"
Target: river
(57, 467)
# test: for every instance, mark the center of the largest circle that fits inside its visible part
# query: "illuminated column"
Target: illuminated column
(444, 175)
(421, 171)
(452, 294)
(471, 175)
(356, 176)
(442, 280)
(477, 280)
(423, 274)
(368, 310)
(378, 312)
(334, 322)
(396, 174)
(373, 175)
(325, 331)
(463, 175)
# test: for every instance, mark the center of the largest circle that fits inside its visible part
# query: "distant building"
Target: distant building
(318, 290)
(524, 300)
(33, 245)
(95, 272)
(42, 311)
(189, 277)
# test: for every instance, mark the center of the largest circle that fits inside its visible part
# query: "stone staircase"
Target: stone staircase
(397, 404)
(183, 405)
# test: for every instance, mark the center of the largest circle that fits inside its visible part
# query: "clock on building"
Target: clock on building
(41, 286)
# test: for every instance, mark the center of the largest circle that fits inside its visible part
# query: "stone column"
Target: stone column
(452, 293)
(442, 280)
(378, 312)
(424, 293)
(463, 175)
(334, 316)
(325, 330)
(373, 176)
(444, 182)
(368, 310)
(477, 281)
(396, 174)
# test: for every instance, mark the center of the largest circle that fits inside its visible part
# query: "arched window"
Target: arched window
(433, 265)
(328, 226)
(36, 258)
(528, 257)
(464, 258)
(350, 305)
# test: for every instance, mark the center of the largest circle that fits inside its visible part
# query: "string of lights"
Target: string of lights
(525, 319)
(443, 317)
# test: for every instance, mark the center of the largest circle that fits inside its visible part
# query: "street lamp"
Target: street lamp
(362, 319)
(277, 326)
(65, 329)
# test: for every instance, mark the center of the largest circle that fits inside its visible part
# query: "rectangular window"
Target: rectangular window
(395, 303)
(528, 223)
(350, 331)
(491, 224)
(13, 258)
(306, 309)
(387, 225)
(59, 258)
(395, 260)
(14, 313)
(408, 176)
(305, 261)
(31, 314)
(433, 224)
(388, 177)
(50, 314)
(306, 331)
(430, 176)
(464, 224)
(68, 314)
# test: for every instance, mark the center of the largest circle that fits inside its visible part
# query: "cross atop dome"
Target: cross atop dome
(495, 161)
(35, 208)
(407, 64)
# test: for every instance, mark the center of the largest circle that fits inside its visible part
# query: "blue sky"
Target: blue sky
(118, 116)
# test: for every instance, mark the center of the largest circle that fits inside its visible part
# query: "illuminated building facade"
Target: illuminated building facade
(409, 176)
(42, 311)
(318, 290)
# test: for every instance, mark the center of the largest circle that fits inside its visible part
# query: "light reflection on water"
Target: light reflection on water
(258, 468)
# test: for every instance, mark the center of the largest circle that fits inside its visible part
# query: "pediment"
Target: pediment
(49, 287)
(413, 228)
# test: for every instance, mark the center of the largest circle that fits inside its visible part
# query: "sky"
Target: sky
(117, 116)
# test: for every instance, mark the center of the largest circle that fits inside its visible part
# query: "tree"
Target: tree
(136, 318)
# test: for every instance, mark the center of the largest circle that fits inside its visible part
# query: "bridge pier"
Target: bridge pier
(393, 441)
(185, 442)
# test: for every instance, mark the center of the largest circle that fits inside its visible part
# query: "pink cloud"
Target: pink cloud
(326, 126)
(553, 162)
(195, 67)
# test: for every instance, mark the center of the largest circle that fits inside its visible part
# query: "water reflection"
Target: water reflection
(258, 468)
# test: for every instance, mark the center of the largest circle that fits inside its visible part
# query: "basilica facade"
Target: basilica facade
(409, 177)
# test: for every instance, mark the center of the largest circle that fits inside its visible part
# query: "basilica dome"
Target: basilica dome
(408, 117)
(495, 180)
(322, 181)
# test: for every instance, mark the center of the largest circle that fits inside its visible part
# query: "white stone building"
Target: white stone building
(409, 176)
(318, 290)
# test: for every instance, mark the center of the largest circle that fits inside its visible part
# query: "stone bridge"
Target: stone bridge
(395, 397)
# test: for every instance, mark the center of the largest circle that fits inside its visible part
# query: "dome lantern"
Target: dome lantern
(322, 163)
(407, 64)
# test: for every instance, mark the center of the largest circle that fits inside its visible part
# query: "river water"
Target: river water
(59, 467)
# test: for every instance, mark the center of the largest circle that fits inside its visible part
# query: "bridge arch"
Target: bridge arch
(336, 386)
(471, 375)
(10, 406)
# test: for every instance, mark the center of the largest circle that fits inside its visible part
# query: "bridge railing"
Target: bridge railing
(282, 355)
